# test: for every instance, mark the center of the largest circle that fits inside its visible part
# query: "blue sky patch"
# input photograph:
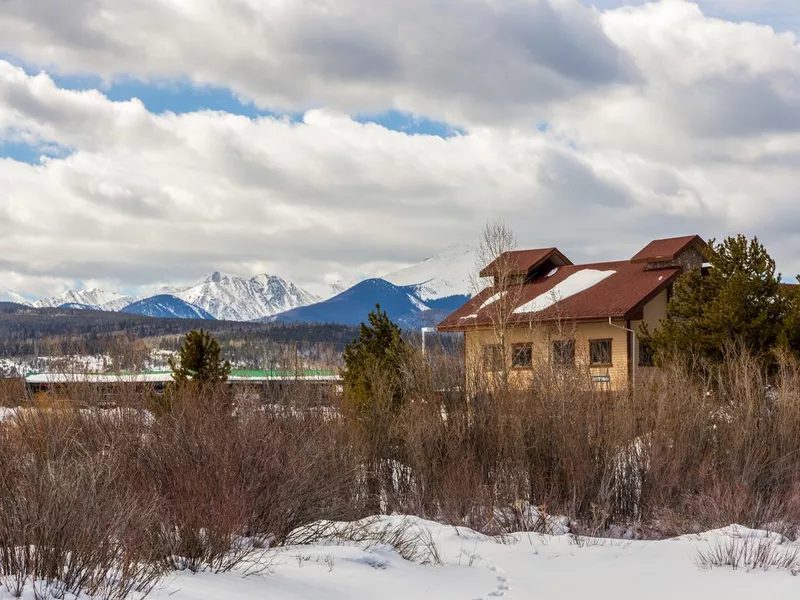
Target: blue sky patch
(411, 124)
(183, 96)
(178, 96)
(31, 153)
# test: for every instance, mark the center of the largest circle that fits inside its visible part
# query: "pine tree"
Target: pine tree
(791, 332)
(374, 394)
(378, 354)
(739, 302)
(199, 360)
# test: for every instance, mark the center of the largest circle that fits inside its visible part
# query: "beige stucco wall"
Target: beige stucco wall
(654, 311)
(541, 335)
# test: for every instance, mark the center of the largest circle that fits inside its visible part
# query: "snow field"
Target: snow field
(474, 567)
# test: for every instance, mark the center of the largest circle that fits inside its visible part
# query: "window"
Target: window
(600, 353)
(522, 356)
(493, 357)
(563, 353)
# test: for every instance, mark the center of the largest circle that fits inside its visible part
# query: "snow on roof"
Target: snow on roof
(56, 378)
(574, 284)
(586, 292)
(492, 299)
(166, 377)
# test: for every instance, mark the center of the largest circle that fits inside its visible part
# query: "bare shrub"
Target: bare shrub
(749, 553)
(408, 537)
(256, 475)
(219, 482)
(679, 454)
(105, 501)
(68, 517)
(12, 392)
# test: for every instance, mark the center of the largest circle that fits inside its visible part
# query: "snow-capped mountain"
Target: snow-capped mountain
(352, 306)
(74, 306)
(99, 299)
(232, 298)
(165, 306)
(442, 275)
(7, 295)
(421, 293)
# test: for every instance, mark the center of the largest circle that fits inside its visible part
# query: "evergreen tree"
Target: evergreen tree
(199, 360)
(375, 358)
(373, 392)
(740, 301)
(791, 335)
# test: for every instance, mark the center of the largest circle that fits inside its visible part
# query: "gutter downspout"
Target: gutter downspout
(633, 350)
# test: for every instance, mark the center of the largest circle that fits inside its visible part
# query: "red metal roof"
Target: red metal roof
(667, 249)
(520, 262)
(617, 296)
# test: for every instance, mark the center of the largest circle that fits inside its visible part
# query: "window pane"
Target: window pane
(600, 352)
(563, 353)
(522, 355)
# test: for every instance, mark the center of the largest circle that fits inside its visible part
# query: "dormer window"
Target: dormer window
(521, 266)
(685, 252)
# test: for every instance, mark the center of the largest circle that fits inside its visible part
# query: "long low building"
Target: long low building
(268, 383)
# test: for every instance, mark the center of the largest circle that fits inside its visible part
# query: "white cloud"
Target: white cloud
(782, 15)
(660, 121)
(475, 60)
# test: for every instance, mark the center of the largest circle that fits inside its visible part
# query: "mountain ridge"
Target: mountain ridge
(167, 306)
(101, 299)
(352, 306)
(436, 285)
(233, 298)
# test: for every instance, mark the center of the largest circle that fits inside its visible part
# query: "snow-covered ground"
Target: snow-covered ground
(518, 566)
(460, 564)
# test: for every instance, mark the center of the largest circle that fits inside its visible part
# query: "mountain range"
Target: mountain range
(232, 298)
(98, 299)
(419, 295)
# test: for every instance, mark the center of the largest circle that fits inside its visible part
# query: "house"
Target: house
(542, 309)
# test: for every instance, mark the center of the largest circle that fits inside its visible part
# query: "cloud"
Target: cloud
(477, 59)
(781, 15)
(659, 121)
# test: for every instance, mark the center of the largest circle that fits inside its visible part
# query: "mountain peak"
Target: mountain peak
(441, 275)
(215, 277)
(234, 298)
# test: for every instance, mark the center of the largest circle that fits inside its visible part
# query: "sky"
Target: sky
(151, 142)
